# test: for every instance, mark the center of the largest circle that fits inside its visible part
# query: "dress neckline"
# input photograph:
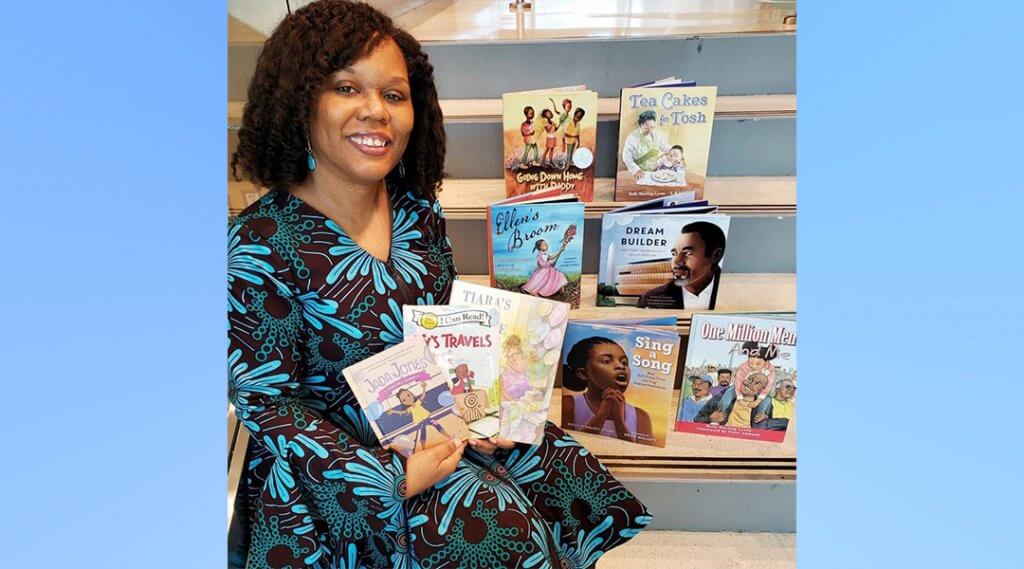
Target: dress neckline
(392, 206)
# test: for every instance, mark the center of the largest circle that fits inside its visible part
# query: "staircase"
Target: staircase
(719, 502)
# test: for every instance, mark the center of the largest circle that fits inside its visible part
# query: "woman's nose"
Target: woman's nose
(374, 108)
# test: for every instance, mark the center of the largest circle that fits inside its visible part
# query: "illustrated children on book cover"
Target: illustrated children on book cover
(550, 138)
(467, 337)
(740, 377)
(537, 249)
(405, 395)
(661, 261)
(532, 331)
(664, 140)
(617, 381)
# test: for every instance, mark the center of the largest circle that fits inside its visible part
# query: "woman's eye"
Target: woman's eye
(346, 89)
(393, 96)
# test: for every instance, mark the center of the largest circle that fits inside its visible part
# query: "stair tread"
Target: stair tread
(489, 110)
(703, 550)
(468, 198)
(738, 292)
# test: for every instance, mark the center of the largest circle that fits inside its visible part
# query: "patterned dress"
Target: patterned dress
(304, 302)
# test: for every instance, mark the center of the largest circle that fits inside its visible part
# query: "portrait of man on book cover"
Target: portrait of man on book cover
(696, 270)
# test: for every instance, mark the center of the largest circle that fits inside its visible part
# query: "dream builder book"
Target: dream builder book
(550, 140)
(467, 337)
(532, 330)
(405, 395)
(662, 254)
(664, 139)
(617, 380)
(740, 377)
(535, 245)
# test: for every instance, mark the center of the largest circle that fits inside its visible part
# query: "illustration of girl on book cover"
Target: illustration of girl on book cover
(597, 368)
(412, 405)
(546, 280)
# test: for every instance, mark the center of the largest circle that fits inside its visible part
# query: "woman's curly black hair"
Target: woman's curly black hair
(305, 49)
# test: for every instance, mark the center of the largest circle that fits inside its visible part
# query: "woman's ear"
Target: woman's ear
(581, 373)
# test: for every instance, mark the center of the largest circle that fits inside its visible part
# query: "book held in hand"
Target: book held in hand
(617, 379)
(532, 331)
(664, 139)
(467, 338)
(550, 141)
(740, 377)
(535, 245)
(663, 253)
(405, 395)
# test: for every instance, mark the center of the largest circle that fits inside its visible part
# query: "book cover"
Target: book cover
(550, 141)
(740, 377)
(660, 259)
(467, 337)
(532, 331)
(404, 393)
(617, 380)
(537, 249)
(664, 140)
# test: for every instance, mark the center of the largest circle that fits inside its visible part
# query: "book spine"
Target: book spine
(490, 246)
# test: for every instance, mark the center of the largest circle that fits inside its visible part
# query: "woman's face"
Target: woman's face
(515, 360)
(607, 367)
(363, 116)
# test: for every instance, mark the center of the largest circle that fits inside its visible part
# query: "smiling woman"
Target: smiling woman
(343, 125)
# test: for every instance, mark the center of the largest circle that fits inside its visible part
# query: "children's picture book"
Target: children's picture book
(467, 338)
(665, 253)
(664, 139)
(617, 380)
(405, 395)
(739, 379)
(532, 331)
(535, 244)
(550, 141)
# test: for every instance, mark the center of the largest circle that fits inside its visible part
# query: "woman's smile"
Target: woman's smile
(372, 143)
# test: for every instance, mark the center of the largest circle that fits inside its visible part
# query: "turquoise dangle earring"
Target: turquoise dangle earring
(310, 161)
(401, 169)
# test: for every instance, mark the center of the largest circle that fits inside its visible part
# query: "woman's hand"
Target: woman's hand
(428, 467)
(489, 445)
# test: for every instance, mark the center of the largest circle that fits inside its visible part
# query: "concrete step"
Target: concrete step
(703, 550)
(738, 65)
(738, 292)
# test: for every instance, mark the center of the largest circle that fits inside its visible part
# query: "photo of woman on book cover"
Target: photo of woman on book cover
(597, 371)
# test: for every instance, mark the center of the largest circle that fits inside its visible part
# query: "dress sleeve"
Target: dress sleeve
(270, 392)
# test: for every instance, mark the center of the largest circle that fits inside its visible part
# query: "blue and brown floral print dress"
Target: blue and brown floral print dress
(304, 302)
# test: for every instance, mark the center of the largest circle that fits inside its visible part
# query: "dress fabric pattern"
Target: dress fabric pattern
(304, 302)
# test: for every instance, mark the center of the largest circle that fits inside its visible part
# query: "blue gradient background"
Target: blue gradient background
(113, 337)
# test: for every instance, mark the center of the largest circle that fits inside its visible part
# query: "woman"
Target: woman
(344, 125)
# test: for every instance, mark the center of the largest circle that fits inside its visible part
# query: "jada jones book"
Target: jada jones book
(405, 395)
(532, 331)
(740, 377)
(638, 362)
(664, 139)
(536, 245)
(550, 140)
(467, 337)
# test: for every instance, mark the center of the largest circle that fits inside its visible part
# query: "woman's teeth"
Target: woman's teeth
(369, 141)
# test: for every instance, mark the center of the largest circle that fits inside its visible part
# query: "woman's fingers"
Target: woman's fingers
(447, 466)
(483, 445)
(503, 443)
